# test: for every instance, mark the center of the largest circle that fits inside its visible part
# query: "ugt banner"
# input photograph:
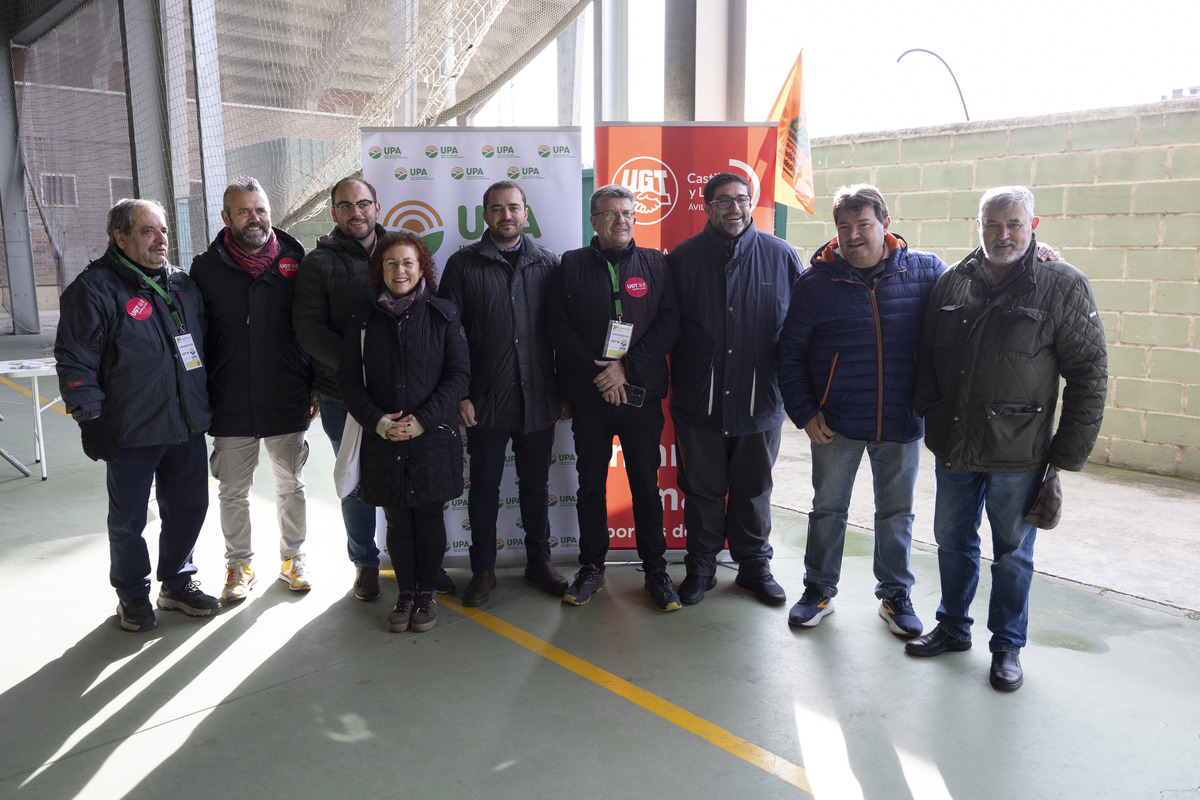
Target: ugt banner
(666, 166)
(431, 181)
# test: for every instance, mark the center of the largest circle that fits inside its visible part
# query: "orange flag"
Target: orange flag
(793, 158)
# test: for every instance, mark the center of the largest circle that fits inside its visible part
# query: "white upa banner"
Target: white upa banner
(431, 181)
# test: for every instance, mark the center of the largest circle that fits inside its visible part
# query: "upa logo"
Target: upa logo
(417, 217)
(375, 151)
(401, 173)
(543, 150)
(431, 151)
(466, 524)
(513, 543)
(654, 187)
(636, 287)
(457, 173)
(558, 151)
(513, 172)
(475, 173)
(531, 173)
(551, 501)
(488, 151)
(553, 542)
(138, 308)
(500, 544)
(568, 541)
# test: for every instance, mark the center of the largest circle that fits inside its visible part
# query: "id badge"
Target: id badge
(619, 335)
(188, 352)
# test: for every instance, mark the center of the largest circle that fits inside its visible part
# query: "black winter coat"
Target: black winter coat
(989, 367)
(259, 380)
(582, 305)
(334, 281)
(416, 363)
(116, 355)
(503, 309)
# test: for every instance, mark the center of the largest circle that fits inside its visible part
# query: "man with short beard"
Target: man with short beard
(734, 283)
(259, 380)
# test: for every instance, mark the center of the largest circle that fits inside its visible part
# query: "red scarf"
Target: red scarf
(254, 263)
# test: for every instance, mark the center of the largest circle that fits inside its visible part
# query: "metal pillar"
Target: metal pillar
(612, 60)
(210, 117)
(402, 37)
(720, 60)
(570, 73)
(14, 207)
(679, 62)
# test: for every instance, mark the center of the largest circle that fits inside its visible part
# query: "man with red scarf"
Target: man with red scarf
(259, 380)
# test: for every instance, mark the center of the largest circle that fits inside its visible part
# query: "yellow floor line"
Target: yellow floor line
(57, 406)
(747, 751)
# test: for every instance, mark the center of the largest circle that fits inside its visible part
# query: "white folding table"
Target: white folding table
(32, 369)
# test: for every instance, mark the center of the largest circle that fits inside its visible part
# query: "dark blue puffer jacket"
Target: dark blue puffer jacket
(850, 349)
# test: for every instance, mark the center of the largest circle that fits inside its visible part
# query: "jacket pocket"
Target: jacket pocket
(1012, 432)
(1021, 330)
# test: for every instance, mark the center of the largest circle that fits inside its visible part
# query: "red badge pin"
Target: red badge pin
(138, 308)
(288, 267)
(636, 287)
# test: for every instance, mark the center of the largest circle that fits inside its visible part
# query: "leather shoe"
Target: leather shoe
(478, 588)
(545, 577)
(693, 587)
(1006, 675)
(764, 587)
(934, 643)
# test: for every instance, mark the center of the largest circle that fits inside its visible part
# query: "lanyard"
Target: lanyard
(612, 271)
(155, 286)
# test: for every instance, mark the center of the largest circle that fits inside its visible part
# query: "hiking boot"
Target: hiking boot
(189, 599)
(424, 614)
(693, 587)
(662, 594)
(366, 583)
(445, 584)
(900, 617)
(401, 616)
(239, 577)
(479, 588)
(588, 581)
(136, 614)
(294, 573)
(810, 608)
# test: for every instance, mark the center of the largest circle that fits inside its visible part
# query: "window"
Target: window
(119, 188)
(59, 190)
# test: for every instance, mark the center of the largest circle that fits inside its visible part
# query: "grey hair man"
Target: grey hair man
(132, 372)
(1001, 330)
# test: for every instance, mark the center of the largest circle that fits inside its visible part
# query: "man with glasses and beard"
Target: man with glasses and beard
(734, 284)
(259, 380)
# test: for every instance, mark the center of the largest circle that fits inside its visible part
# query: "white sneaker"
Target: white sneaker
(239, 577)
(294, 574)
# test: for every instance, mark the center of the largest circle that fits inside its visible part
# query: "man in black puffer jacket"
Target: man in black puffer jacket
(615, 379)
(500, 286)
(1000, 330)
(259, 380)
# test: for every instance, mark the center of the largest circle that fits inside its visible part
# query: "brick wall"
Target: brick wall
(1118, 192)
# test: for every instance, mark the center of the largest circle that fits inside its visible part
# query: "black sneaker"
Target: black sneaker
(399, 619)
(662, 593)
(445, 584)
(693, 587)
(424, 613)
(189, 599)
(588, 581)
(136, 614)
(366, 583)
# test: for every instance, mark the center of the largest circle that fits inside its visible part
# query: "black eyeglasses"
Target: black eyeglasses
(346, 208)
(726, 203)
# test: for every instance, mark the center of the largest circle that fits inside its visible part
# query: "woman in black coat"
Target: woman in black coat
(404, 367)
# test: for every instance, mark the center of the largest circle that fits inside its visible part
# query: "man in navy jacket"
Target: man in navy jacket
(259, 380)
(846, 371)
(734, 283)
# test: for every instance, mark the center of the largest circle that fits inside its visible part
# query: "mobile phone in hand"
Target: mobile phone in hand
(635, 395)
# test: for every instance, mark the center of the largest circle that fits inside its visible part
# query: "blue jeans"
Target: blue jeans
(531, 454)
(894, 473)
(958, 511)
(358, 516)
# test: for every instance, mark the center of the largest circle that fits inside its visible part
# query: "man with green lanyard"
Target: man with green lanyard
(131, 370)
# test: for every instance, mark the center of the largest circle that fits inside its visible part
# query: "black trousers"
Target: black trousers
(416, 543)
(639, 429)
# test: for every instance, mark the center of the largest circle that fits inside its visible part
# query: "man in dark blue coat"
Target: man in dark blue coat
(734, 283)
(846, 371)
(131, 369)
(259, 380)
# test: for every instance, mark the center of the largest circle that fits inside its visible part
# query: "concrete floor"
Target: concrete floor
(309, 696)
